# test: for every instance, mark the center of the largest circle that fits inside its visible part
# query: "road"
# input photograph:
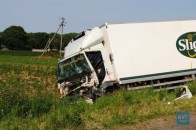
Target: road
(163, 123)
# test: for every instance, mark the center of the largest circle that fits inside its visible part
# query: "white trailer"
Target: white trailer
(133, 54)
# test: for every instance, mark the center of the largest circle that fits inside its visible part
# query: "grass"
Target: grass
(122, 108)
(19, 53)
(29, 100)
(28, 53)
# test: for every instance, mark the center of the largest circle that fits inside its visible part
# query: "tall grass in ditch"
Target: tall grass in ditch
(129, 107)
(47, 111)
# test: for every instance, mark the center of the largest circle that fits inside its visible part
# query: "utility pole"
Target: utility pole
(50, 40)
(61, 25)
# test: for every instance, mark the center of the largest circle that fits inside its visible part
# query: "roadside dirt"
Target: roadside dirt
(163, 123)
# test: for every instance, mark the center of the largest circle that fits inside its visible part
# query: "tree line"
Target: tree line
(15, 38)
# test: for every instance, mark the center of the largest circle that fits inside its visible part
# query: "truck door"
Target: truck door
(96, 60)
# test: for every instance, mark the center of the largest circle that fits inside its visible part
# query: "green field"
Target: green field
(29, 99)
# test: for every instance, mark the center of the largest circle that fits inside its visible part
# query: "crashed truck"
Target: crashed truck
(132, 55)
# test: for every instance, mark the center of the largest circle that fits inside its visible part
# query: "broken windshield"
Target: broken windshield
(73, 66)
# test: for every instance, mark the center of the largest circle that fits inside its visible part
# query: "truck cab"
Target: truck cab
(86, 69)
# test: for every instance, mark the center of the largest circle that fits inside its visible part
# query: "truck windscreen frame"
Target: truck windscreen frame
(73, 67)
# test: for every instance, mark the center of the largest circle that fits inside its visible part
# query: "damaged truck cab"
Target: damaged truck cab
(86, 69)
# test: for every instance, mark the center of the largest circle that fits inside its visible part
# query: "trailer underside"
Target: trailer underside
(169, 81)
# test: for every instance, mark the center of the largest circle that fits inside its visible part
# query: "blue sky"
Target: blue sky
(44, 15)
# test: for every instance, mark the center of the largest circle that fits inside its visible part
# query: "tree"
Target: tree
(1, 39)
(68, 37)
(38, 40)
(55, 44)
(15, 38)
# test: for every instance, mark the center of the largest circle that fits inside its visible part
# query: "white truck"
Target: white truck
(135, 55)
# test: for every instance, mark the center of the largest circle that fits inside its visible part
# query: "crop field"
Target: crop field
(29, 99)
